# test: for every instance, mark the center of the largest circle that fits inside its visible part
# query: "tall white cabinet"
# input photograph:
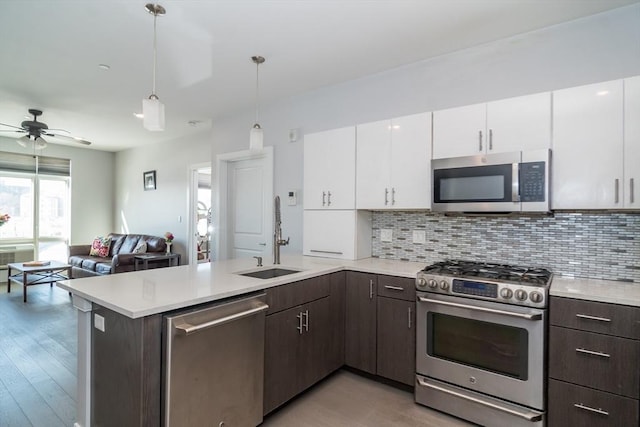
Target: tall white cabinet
(631, 190)
(393, 159)
(514, 124)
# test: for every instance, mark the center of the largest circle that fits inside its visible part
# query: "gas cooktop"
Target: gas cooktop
(498, 272)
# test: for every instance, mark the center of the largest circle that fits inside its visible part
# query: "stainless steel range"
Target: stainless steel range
(481, 341)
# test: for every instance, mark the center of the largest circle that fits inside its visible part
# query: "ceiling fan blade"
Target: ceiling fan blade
(69, 138)
(12, 126)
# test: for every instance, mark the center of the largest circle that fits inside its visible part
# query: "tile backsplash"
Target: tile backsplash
(599, 245)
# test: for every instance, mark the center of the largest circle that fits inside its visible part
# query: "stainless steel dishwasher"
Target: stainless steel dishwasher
(214, 364)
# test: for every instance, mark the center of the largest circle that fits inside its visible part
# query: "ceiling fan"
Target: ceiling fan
(35, 131)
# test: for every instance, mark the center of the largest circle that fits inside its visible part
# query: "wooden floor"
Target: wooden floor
(38, 347)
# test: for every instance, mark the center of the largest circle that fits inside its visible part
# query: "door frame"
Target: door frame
(192, 223)
(221, 185)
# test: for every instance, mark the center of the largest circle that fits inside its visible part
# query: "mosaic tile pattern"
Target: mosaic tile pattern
(598, 245)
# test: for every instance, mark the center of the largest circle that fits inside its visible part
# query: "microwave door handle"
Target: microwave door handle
(515, 182)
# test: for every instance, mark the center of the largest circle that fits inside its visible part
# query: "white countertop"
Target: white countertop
(597, 290)
(143, 293)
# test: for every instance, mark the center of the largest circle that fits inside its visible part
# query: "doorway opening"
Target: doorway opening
(201, 213)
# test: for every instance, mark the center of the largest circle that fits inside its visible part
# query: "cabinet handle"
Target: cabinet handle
(299, 327)
(593, 353)
(328, 198)
(586, 408)
(631, 190)
(386, 196)
(393, 196)
(306, 320)
(325, 252)
(409, 317)
(617, 192)
(480, 140)
(599, 319)
(370, 288)
(490, 139)
(324, 195)
(394, 288)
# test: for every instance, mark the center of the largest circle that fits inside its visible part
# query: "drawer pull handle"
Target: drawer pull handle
(599, 319)
(394, 288)
(325, 252)
(586, 408)
(593, 353)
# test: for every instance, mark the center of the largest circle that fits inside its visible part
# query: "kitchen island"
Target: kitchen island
(144, 295)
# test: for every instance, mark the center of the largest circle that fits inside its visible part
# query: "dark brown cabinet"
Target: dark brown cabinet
(360, 321)
(594, 363)
(396, 353)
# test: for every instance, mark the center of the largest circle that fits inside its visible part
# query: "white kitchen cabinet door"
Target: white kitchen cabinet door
(344, 234)
(631, 184)
(329, 169)
(411, 162)
(587, 157)
(373, 167)
(459, 131)
(519, 124)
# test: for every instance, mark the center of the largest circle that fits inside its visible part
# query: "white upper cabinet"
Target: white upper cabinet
(587, 159)
(329, 169)
(631, 143)
(515, 124)
(393, 166)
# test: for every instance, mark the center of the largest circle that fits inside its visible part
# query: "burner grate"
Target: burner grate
(530, 276)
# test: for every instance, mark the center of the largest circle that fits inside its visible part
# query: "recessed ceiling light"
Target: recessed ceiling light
(104, 67)
(139, 115)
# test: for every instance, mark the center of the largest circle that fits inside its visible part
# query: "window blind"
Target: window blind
(16, 162)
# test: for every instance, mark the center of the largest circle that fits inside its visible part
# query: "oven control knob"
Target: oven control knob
(444, 285)
(521, 295)
(432, 284)
(506, 293)
(535, 296)
(422, 282)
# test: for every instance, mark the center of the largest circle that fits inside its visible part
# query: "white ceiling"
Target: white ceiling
(50, 51)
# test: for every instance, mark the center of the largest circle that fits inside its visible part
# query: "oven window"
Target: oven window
(490, 346)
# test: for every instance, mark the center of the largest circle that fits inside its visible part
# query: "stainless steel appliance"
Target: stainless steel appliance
(214, 364)
(501, 182)
(481, 342)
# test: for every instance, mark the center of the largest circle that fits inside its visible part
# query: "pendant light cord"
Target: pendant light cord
(257, 90)
(155, 55)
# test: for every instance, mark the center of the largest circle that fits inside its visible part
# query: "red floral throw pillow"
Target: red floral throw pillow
(100, 247)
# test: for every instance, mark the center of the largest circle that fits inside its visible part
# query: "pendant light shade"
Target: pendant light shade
(152, 108)
(256, 136)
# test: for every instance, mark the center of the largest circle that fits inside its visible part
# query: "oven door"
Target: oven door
(488, 347)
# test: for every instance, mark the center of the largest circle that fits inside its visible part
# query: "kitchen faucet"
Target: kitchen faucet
(277, 233)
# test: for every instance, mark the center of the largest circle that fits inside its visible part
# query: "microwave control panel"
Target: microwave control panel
(532, 182)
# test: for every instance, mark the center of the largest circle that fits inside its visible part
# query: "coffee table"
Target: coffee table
(36, 275)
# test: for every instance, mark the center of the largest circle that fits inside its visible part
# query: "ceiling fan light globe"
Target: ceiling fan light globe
(23, 141)
(39, 143)
(153, 111)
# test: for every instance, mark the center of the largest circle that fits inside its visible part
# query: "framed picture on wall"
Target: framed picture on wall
(149, 180)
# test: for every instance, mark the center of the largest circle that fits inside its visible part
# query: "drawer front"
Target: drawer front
(599, 361)
(572, 405)
(397, 287)
(290, 295)
(610, 319)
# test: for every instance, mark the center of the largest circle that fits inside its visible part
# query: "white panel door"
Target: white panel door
(373, 151)
(329, 169)
(519, 124)
(247, 205)
(459, 131)
(632, 143)
(587, 156)
(411, 162)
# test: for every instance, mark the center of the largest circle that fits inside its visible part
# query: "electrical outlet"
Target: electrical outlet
(386, 235)
(419, 236)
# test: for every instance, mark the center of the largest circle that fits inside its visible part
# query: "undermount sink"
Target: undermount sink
(269, 273)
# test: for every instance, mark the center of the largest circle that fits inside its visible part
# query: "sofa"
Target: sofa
(120, 256)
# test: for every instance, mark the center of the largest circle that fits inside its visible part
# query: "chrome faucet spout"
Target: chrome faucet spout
(277, 233)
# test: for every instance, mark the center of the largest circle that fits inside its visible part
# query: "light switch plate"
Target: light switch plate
(419, 236)
(386, 235)
(98, 322)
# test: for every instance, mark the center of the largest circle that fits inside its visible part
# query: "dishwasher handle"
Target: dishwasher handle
(187, 328)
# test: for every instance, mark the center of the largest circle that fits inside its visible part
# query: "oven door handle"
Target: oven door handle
(529, 416)
(528, 316)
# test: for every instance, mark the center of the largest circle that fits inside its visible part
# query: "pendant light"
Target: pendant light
(256, 136)
(152, 108)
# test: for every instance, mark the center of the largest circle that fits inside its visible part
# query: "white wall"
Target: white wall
(599, 48)
(156, 212)
(92, 190)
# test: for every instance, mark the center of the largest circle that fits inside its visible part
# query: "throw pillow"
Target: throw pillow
(140, 248)
(100, 247)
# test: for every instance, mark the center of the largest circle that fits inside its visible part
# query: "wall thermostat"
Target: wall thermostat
(292, 198)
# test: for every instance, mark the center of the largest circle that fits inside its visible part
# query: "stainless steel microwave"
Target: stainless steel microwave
(501, 182)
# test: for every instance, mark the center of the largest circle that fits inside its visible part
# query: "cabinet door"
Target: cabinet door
(314, 360)
(337, 234)
(411, 162)
(360, 321)
(396, 340)
(632, 143)
(459, 131)
(329, 169)
(587, 147)
(519, 124)
(373, 166)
